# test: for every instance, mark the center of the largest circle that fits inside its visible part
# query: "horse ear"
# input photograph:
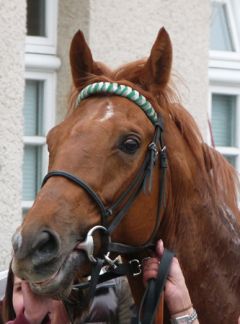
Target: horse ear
(81, 60)
(158, 66)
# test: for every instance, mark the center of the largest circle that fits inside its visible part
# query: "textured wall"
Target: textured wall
(121, 31)
(12, 27)
(72, 15)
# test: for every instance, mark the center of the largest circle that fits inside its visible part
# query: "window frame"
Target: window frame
(229, 55)
(41, 64)
(224, 75)
(225, 89)
(47, 44)
(49, 116)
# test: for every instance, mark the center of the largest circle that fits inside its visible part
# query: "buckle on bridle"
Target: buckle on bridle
(153, 147)
(136, 267)
(113, 263)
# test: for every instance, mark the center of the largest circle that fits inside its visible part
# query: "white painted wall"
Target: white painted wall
(72, 16)
(125, 30)
(12, 35)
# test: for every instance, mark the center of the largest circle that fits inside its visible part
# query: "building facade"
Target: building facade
(35, 76)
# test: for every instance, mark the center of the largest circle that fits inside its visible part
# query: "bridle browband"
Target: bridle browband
(120, 90)
(141, 181)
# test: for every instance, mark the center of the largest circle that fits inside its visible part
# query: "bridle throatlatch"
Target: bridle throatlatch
(141, 182)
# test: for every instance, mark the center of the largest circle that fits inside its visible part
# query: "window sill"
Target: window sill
(42, 62)
(225, 76)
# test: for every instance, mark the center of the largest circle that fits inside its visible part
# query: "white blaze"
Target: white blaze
(108, 114)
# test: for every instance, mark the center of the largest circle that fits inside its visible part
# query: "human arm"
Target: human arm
(176, 294)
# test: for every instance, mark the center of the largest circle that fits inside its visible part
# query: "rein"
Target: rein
(141, 181)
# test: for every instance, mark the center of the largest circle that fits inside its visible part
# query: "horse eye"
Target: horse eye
(129, 145)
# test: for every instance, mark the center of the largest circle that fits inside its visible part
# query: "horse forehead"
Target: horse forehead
(102, 114)
(98, 109)
(115, 108)
(108, 113)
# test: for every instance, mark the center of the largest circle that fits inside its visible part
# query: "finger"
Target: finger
(149, 274)
(148, 262)
(151, 267)
(159, 248)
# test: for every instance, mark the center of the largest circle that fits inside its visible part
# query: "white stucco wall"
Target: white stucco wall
(121, 31)
(72, 16)
(12, 27)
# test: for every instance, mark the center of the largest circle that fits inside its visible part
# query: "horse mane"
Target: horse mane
(220, 179)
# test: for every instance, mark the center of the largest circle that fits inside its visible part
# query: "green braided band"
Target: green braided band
(119, 90)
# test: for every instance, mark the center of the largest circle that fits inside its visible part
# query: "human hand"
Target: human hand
(176, 294)
(36, 307)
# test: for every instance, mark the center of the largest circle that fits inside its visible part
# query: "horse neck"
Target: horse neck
(205, 234)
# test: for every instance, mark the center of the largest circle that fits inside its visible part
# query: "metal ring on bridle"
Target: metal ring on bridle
(88, 244)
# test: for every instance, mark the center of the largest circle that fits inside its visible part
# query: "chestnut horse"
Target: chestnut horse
(103, 141)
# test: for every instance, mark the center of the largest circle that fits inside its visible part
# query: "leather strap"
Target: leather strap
(142, 180)
(154, 290)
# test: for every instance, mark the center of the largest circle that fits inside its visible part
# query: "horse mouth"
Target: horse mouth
(59, 284)
(46, 281)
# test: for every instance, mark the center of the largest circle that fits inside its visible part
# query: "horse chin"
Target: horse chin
(59, 284)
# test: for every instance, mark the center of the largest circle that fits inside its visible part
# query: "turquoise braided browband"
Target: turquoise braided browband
(122, 91)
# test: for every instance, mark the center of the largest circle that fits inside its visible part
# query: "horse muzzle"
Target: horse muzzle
(42, 247)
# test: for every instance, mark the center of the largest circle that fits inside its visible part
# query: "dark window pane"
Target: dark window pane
(36, 18)
(32, 166)
(33, 108)
(224, 119)
(231, 160)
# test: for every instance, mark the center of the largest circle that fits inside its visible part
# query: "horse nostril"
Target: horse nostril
(45, 247)
(16, 241)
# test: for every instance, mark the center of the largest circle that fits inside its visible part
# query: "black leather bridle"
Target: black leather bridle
(142, 181)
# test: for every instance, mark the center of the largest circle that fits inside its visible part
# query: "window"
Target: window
(225, 114)
(33, 138)
(41, 26)
(224, 75)
(36, 18)
(41, 65)
(220, 34)
(224, 38)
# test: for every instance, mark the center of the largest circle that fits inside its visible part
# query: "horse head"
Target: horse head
(107, 162)
(104, 144)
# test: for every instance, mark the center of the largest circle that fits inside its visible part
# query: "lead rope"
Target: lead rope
(154, 290)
